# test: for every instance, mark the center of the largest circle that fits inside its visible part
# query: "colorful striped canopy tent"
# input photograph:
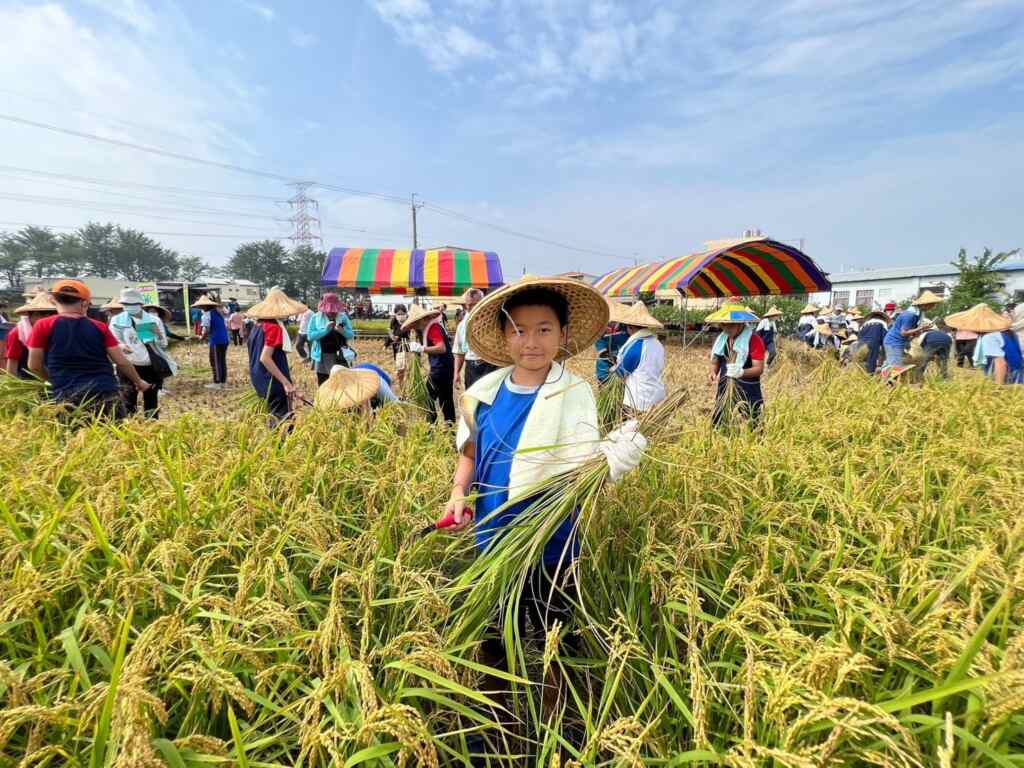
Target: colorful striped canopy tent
(748, 267)
(436, 272)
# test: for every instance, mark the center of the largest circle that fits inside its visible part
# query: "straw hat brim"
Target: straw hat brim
(773, 312)
(810, 309)
(276, 306)
(638, 316)
(40, 303)
(164, 312)
(417, 313)
(877, 316)
(980, 319)
(927, 299)
(588, 317)
(347, 389)
(616, 311)
(205, 301)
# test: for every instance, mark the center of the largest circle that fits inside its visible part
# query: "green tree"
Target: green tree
(980, 280)
(99, 249)
(190, 268)
(304, 265)
(139, 257)
(12, 260)
(40, 249)
(264, 262)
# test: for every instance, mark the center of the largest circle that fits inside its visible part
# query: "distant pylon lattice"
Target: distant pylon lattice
(305, 218)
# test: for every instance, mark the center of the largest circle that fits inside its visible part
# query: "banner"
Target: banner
(149, 292)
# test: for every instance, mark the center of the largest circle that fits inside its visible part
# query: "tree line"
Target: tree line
(121, 253)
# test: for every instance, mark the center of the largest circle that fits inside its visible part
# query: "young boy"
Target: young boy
(532, 403)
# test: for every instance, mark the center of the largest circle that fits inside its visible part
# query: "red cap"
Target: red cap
(74, 288)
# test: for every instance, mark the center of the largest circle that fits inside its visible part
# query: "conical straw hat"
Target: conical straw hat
(588, 317)
(637, 315)
(927, 298)
(980, 318)
(276, 306)
(112, 304)
(205, 302)
(773, 312)
(731, 313)
(616, 310)
(347, 388)
(417, 313)
(824, 330)
(41, 302)
(810, 309)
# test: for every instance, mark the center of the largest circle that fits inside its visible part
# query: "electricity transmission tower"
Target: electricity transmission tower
(305, 216)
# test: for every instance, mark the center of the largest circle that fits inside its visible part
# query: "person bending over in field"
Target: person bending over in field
(269, 345)
(362, 386)
(74, 353)
(527, 422)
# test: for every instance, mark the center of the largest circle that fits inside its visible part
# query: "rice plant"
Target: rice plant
(842, 587)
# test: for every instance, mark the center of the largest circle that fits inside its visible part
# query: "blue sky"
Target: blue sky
(880, 133)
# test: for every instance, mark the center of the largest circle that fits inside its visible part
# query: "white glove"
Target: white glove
(415, 347)
(623, 448)
(734, 370)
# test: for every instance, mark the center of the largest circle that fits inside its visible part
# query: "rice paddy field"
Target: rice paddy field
(843, 587)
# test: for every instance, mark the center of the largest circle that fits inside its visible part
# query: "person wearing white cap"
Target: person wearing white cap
(143, 340)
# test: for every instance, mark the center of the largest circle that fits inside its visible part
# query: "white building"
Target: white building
(877, 287)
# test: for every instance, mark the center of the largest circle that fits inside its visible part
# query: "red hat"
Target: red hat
(76, 289)
(330, 302)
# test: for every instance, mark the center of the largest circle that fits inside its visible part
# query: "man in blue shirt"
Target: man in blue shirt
(905, 327)
(608, 347)
(215, 331)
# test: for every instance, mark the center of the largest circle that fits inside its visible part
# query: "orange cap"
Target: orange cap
(74, 288)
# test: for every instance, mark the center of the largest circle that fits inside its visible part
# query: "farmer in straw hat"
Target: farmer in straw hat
(808, 320)
(142, 339)
(737, 356)
(74, 353)
(767, 329)
(269, 345)
(908, 324)
(364, 385)
(641, 360)
(215, 330)
(165, 318)
(436, 343)
(28, 314)
(530, 421)
(931, 345)
(112, 309)
(998, 350)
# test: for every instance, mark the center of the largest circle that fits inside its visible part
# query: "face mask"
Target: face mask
(134, 310)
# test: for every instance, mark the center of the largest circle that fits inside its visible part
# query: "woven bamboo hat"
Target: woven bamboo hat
(980, 318)
(347, 388)
(205, 302)
(161, 310)
(855, 314)
(810, 309)
(112, 304)
(638, 316)
(588, 317)
(927, 299)
(773, 312)
(616, 311)
(824, 330)
(276, 306)
(41, 302)
(417, 313)
(877, 314)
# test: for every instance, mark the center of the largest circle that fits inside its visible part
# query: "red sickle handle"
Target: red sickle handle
(449, 519)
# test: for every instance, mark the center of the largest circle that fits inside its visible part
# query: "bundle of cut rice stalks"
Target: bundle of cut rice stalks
(416, 392)
(610, 394)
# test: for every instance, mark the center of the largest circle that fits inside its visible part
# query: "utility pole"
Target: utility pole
(415, 234)
(305, 216)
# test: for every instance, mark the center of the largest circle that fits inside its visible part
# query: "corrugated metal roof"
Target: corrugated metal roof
(922, 270)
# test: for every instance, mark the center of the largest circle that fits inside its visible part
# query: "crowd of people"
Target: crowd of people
(893, 342)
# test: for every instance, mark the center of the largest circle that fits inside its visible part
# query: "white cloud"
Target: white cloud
(134, 13)
(264, 11)
(143, 90)
(301, 39)
(446, 46)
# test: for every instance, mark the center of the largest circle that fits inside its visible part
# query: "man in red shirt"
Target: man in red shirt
(74, 353)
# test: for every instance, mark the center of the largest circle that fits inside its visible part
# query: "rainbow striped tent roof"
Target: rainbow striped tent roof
(751, 267)
(436, 272)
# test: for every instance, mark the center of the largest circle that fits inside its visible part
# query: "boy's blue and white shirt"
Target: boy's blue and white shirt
(641, 363)
(560, 432)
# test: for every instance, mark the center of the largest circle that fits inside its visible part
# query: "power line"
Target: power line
(135, 185)
(265, 174)
(75, 202)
